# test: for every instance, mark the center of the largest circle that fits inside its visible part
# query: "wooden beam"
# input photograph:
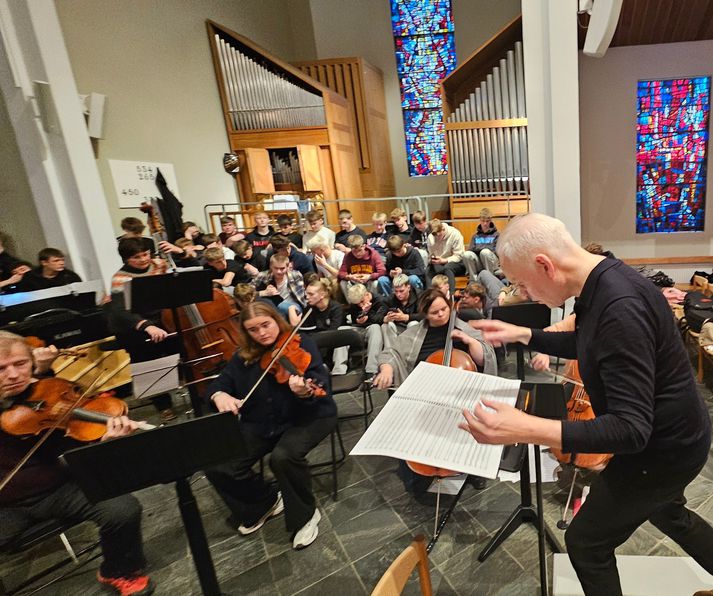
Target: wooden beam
(668, 260)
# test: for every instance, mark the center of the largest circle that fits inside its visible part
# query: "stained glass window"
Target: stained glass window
(671, 149)
(425, 54)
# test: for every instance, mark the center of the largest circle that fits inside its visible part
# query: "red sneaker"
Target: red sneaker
(137, 585)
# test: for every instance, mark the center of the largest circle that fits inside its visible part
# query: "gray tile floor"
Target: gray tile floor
(360, 534)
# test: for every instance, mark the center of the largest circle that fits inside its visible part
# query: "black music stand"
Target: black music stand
(161, 456)
(171, 291)
(534, 316)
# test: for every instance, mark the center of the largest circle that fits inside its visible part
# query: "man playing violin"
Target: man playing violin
(636, 371)
(42, 491)
(286, 420)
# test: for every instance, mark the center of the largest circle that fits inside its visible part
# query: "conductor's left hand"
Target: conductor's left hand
(505, 426)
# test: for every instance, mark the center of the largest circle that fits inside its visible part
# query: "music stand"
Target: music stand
(161, 456)
(172, 290)
(534, 316)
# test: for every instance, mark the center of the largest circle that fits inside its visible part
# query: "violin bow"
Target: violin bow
(277, 355)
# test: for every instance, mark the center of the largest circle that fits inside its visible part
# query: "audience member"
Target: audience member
(244, 294)
(403, 309)
(12, 283)
(186, 255)
(346, 223)
(326, 315)
(419, 235)
(402, 259)
(281, 286)
(7, 262)
(287, 229)
(317, 229)
(253, 261)
(194, 234)
(440, 282)
(327, 260)
(362, 265)
(399, 224)
(299, 261)
(51, 273)
(445, 250)
(133, 227)
(377, 239)
(367, 315)
(229, 234)
(481, 251)
(471, 302)
(213, 241)
(225, 274)
(259, 238)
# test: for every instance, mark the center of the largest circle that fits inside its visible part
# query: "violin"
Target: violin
(579, 407)
(291, 360)
(453, 358)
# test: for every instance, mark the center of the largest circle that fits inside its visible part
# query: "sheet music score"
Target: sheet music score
(420, 421)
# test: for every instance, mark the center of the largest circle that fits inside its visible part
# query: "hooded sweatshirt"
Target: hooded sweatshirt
(370, 263)
(450, 247)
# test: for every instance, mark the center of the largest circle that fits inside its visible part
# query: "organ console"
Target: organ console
(292, 135)
(486, 130)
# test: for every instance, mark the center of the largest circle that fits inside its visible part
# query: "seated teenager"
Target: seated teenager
(317, 229)
(402, 259)
(440, 283)
(481, 251)
(327, 259)
(377, 239)
(281, 286)
(252, 260)
(367, 313)
(403, 309)
(213, 241)
(281, 245)
(259, 238)
(133, 227)
(327, 314)
(225, 274)
(286, 227)
(348, 228)
(189, 256)
(50, 274)
(445, 251)
(132, 329)
(419, 235)
(229, 234)
(284, 420)
(399, 224)
(244, 294)
(472, 303)
(194, 234)
(361, 266)
(42, 490)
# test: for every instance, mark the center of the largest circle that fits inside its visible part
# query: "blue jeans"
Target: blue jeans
(284, 308)
(385, 285)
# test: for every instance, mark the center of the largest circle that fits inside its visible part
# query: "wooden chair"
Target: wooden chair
(395, 577)
(701, 284)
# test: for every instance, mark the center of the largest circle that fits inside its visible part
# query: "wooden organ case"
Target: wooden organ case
(292, 134)
(486, 131)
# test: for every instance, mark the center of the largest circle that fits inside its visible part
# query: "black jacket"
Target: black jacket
(411, 263)
(376, 313)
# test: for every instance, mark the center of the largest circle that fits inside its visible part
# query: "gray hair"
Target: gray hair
(532, 233)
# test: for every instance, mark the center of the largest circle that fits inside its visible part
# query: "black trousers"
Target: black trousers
(119, 522)
(246, 493)
(628, 492)
(450, 270)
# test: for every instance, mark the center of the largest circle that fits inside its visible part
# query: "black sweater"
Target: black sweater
(634, 366)
(273, 408)
(411, 263)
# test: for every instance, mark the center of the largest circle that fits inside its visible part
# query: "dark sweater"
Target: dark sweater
(341, 236)
(260, 241)
(634, 366)
(7, 264)
(329, 319)
(376, 313)
(419, 239)
(411, 263)
(273, 408)
(33, 280)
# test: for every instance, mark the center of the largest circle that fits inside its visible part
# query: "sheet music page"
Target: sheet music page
(155, 376)
(420, 421)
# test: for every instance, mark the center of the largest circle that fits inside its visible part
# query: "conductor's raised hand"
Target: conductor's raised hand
(498, 333)
(503, 425)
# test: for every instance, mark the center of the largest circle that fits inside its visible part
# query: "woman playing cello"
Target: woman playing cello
(286, 419)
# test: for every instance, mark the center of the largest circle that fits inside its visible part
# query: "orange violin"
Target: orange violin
(290, 359)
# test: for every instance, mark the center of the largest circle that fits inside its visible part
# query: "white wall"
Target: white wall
(608, 146)
(348, 28)
(152, 60)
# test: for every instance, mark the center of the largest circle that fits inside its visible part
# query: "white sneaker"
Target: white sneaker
(275, 510)
(307, 534)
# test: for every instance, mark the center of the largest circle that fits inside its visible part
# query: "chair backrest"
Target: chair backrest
(395, 577)
(701, 284)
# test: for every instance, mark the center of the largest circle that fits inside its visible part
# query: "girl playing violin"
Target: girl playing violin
(286, 420)
(42, 491)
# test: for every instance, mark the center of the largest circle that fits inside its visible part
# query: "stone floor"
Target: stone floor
(360, 534)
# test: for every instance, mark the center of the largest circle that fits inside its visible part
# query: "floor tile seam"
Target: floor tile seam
(348, 564)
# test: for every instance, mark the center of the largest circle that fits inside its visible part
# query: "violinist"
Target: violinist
(636, 371)
(132, 330)
(41, 490)
(285, 420)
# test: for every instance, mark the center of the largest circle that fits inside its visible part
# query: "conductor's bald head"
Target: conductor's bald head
(533, 233)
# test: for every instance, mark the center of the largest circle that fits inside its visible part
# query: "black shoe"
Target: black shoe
(478, 482)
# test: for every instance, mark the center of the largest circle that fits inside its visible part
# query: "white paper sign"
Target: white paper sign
(135, 181)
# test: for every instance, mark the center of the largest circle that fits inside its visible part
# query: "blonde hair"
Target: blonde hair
(317, 242)
(439, 280)
(379, 216)
(485, 213)
(278, 259)
(436, 226)
(418, 217)
(8, 340)
(213, 255)
(400, 280)
(355, 241)
(244, 293)
(396, 213)
(314, 215)
(356, 294)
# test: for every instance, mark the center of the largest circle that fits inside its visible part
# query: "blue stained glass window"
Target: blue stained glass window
(425, 55)
(671, 154)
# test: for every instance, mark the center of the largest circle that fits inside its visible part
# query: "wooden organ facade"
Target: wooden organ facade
(485, 121)
(292, 134)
